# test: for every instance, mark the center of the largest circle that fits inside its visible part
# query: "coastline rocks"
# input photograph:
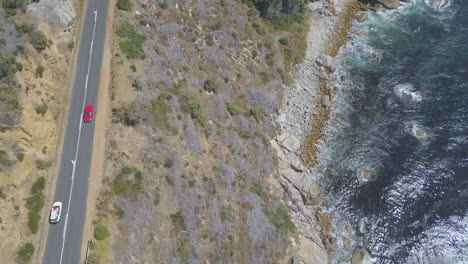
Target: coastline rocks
(315, 5)
(305, 184)
(277, 148)
(362, 17)
(325, 101)
(323, 74)
(366, 175)
(296, 164)
(360, 256)
(309, 252)
(325, 60)
(290, 142)
(390, 4)
(346, 242)
(349, 230)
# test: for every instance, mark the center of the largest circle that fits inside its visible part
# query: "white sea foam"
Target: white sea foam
(408, 91)
(438, 5)
(417, 130)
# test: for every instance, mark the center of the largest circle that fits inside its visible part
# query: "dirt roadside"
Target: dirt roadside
(80, 5)
(100, 132)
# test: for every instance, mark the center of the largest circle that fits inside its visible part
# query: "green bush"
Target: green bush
(157, 197)
(71, 45)
(10, 12)
(124, 185)
(159, 111)
(39, 71)
(10, 97)
(42, 164)
(283, 41)
(8, 65)
(133, 68)
(38, 40)
(168, 163)
(163, 5)
(20, 49)
(2, 194)
(190, 105)
(183, 249)
(101, 232)
(242, 132)
(283, 22)
(26, 251)
(227, 214)
(38, 185)
(210, 86)
(234, 109)
(177, 219)
(20, 156)
(34, 203)
(264, 77)
(265, 140)
(280, 219)
(169, 180)
(19, 66)
(22, 29)
(258, 114)
(125, 5)
(4, 158)
(41, 109)
(132, 43)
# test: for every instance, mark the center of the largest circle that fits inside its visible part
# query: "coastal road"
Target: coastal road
(64, 240)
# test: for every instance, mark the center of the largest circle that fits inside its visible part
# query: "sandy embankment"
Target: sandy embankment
(301, 124)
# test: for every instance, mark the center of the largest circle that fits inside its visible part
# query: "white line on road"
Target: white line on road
(78, 141)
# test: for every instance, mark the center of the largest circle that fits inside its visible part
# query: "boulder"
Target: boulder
(315, 5)
(349, 230)
(305, 184)
(323, 74)
(325, 100)
(311, 252)
(325, 60)
(291, 143)
(346, 242)
(282, 137)
(58, 13)
(277, 148)
(310, 191)
(390, 4)
(361, 17)
(296, 164)
(360, 256)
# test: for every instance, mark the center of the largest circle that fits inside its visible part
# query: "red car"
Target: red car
(88, 113)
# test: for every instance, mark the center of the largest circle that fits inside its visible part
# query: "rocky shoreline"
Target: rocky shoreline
(305, 102)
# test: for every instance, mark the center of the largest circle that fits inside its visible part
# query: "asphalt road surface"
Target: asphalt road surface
(64, 240)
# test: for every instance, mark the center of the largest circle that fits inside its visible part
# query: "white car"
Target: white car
(55, 212)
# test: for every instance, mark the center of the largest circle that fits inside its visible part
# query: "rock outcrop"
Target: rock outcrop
(390, 4)
(289, 142)
(360, 256)
(58, 13)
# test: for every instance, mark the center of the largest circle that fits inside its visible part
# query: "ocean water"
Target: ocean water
(397, 160)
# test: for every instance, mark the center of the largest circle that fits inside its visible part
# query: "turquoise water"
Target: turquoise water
(404, 118)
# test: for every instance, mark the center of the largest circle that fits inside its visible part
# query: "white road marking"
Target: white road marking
(78, 141)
